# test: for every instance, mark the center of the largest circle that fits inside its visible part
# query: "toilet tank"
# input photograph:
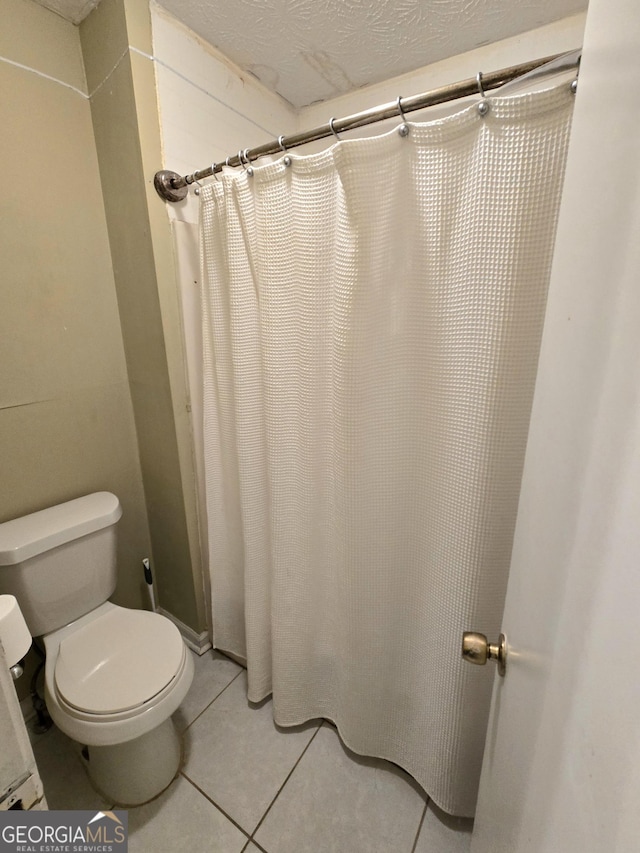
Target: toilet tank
(60, 563)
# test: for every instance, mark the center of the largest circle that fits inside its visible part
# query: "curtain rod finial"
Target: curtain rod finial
(170, 186)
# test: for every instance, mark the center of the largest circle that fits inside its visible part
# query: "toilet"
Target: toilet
(113, 676)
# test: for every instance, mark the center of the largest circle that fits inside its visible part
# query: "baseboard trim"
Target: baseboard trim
(199, 643)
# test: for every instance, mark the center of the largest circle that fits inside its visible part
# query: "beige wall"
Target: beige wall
(66, 421)
(116, 42)
(91, 366)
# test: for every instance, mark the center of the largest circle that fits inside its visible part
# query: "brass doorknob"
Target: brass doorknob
(476, 649)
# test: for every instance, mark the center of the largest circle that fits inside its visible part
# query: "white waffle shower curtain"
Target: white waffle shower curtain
(372, 317)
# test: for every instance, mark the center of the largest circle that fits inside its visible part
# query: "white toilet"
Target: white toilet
(113, 676)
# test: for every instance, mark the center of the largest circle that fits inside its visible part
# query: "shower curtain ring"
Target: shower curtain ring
(286, 159)
(574, 83)
(243, 156)
(483, 106)
(333, 130)
(403, 130)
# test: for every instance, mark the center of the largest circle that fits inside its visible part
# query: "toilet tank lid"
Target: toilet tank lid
(26, 537)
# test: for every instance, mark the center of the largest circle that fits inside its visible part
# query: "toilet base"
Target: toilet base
(132, 773)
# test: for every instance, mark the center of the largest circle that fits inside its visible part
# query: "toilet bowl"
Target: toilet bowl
(113, 676)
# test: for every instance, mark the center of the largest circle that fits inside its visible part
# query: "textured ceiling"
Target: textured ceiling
(311, 50)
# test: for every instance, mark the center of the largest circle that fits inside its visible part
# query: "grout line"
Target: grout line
(259, 846)
(237, 675)
(161, 62)
(86, 96)
(260, 822)
(100, 85)
(183, 77)
(424, 814)
(141, 53)
(213, 803)
(256, 845)
(209, 94)
(44, 76)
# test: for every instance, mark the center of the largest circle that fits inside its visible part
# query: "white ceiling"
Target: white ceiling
(311, 50)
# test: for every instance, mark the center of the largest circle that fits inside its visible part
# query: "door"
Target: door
(561, 769)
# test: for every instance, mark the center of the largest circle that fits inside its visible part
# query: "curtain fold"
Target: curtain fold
(372, 317)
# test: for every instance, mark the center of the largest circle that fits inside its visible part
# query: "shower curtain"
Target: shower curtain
(372, 317)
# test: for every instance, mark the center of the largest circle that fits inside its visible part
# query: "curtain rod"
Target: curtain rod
(174, 187)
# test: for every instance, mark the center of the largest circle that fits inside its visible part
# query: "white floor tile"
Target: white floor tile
(213, 672)
(441, 833)
(182, 819)
(237, 755)
(66, 784)
(337, 802)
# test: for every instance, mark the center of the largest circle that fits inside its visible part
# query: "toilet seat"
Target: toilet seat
(133, 714)
(113, 665)
(109, 729)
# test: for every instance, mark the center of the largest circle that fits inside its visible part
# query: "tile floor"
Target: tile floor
(247, 786)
